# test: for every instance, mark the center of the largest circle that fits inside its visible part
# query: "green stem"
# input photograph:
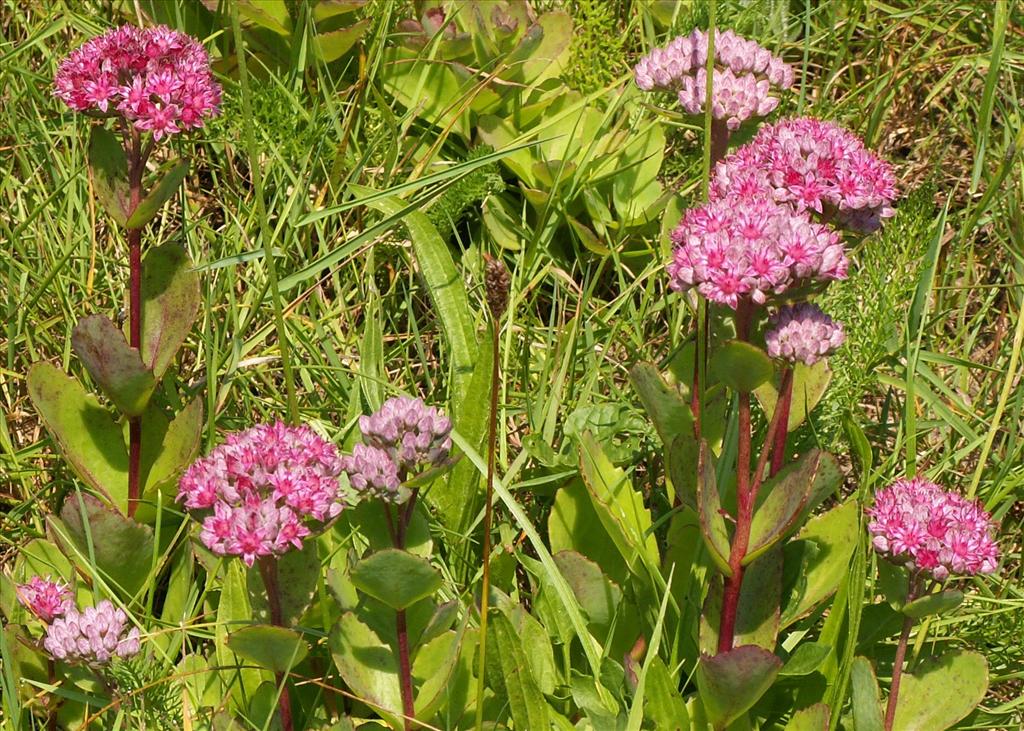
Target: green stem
(266, 233)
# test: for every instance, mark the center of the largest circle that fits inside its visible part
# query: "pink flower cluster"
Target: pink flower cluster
(92, 636)
(917, 523)
(811, 164)
(803, 334)
(263, 485)
(403, 437)
(742, 81)
(751, 248)
(157, 78)
(45, 598)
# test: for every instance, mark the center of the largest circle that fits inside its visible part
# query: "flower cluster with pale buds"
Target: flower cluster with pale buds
(803, 334)
(93, 636)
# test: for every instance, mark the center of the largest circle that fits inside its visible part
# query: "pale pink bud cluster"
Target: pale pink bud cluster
(917, 523)
(264, 485)
(372, 472)
(412, 433)
(158, 79)
(45, 598)
(742, 81)
(803, 334)
(812, 165)
(93, 636)
(734, 249)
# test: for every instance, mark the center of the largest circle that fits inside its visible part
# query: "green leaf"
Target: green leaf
(741, 366)
(170, 304)
(680, 457)
(233, 610)
(598, 596)
(395, 577)
(334, 44)
(806, 659)
(178, 446)
(297, 575)
(787, 494)
(938, 603)
(89, 437)
(115, 367)
(663, 403)
(510, 675)
(618, 505)
(731, 682)
(817, 559)
(435, 663)
(122, 549)
(325, 9)
(271, 14)
(813, 718)
(941, 691)
(150, 205)
(109, 173)
(368, 667)
(867, 711)
(712, 524)
(573, 525)
(274, 648)
(757, 614)
(663, 704)
(809, 385)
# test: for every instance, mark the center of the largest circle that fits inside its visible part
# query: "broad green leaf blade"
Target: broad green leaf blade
(150, 205)
(170, 304)
(115, 367)
(395, 577)
(867, 711)
(367, 666)
(122, 549)
(663, 704)
(435, 663)
(787, 494)
(109, 173)
(817, 559)
(938, 603)
(233, 611)
(663, 403)
(597, 595)
(712, 524)
(741, 366)
(274, 648)
(325, 9)
(806, 659)
(334, 44)
(573, 525)
(271, 14)
(178, 446)
(941, 691)
(813, 718)
(757, 615)
(88, 436)
(731, 682)
(509, 673)
(809, 385)
(297, 575)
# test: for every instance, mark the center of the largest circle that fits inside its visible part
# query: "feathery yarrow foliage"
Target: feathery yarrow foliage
(92, 636)
(918, 524)
(742, 81)
(752, 248)
(156, 78)
(812, 165)
(264, 485)
(45, 598)
(802, 333)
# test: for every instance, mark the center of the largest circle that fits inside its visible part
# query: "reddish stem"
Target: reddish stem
(136, 165)
(782, 409)
(268, 571)
(897, 673)
(404, 664)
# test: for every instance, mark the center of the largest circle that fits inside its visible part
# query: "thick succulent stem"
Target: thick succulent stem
(268, 572)
(782, 408)
(897, 673)
(403, 518)
(135, 168)
(54, 700)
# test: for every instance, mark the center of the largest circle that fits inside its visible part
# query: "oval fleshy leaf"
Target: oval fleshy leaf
(170, 304)
(397, 578)
(274, 648)
(150, 205)
(109, 168)
(937, 603)
(941, 691)
(712, 524)
(787, 494)
(114, 366)
(741, 366)
(867, 711)
(731, 682)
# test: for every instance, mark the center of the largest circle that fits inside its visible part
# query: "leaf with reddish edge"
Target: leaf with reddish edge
(274, 648)
(812, 718)
(159, 194)
(741, 366)
(334, 44)
(109, 168)
(170, 304)
(113, 365)
(941, 691)
(787, 494)
(712, 524)
(809, 385)
(757, 614)
(731, 682)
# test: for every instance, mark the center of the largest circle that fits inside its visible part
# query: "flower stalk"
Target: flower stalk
(268, 572)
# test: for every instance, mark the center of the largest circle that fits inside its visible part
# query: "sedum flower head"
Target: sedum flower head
(742, 81)
(803, 334)
(45, 598)
(264, 485)
(93, 636)
(156, 78)
(413, 434)
(751, 248)
(372, 472)
(917, 523)
(812, 165)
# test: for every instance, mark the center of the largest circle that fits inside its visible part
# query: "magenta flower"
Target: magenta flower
(45, 598)
(372, 472)
(264, 485)
(156, 78)
(413, 434)
(918, 524)
(742, 82)
(803, 334)
(811, 165)
(752, 248)
(93, 636)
